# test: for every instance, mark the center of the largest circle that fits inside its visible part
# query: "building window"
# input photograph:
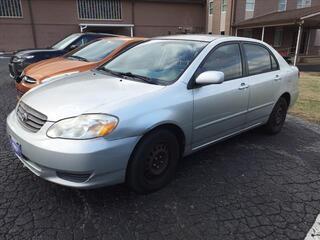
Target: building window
(99, 9)
(278, 36)
(210, 7)
(303, 3)
(282, 5)
(249, 8)
(224, 6)
(10, 8)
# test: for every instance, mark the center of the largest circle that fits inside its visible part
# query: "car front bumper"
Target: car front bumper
(73, 163)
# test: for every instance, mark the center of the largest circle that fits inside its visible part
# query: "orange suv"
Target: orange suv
(81, 59)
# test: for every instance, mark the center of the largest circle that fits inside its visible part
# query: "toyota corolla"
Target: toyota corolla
(132, 119)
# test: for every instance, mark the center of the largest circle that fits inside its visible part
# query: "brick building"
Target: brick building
(40, 23)
(291, 26)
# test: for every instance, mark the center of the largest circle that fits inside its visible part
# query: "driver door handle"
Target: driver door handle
(243, 86)
(277, 78)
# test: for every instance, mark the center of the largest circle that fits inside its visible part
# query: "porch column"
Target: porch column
(236, 32)
(131, 31)
(262, 34)
(298, 45)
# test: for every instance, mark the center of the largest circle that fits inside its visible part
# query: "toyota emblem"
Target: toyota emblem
(25, 117)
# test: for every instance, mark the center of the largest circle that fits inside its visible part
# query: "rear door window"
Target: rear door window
(259, 59)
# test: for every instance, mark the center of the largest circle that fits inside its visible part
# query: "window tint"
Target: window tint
(258, 59)
(163, 60)
(66, 41)
(97, 50)
(83, 40)
(226, 59)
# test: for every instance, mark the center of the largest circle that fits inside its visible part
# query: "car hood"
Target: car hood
(55, 66)
(31, 51)
(85, 93)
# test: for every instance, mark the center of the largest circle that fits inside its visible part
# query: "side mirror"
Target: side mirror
(72, 47)
(210, 77)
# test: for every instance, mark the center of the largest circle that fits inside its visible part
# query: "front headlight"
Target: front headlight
(83, 127)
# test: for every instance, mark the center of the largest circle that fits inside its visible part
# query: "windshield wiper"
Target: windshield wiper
(114, 73)
(145, 79)
(78, 58)
(130, 75)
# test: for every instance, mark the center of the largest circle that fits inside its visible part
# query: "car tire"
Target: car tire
(154, 162)
(277, 117)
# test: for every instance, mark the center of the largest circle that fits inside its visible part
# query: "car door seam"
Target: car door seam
(260, 106)
(220, 120)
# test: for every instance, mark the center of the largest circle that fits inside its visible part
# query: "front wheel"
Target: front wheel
(154, 162)
(277, 117)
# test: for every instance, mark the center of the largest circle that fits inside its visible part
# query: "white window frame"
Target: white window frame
(100, 11)
(282, 5)
(304, 3)
(12, 10)
(224, 6)
(210, 7)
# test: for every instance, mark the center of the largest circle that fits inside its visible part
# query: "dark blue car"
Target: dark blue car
(23, 58)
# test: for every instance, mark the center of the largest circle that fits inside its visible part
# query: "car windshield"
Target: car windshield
(160, 60)
(66, 41)
(97, 50)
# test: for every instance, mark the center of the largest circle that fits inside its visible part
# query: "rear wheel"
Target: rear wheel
(277, 117)
(154, 162)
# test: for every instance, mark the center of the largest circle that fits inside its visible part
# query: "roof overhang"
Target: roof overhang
(83, 26)
(105, 25)
(307, 16)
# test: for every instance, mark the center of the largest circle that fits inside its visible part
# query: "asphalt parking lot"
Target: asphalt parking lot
(253, 186)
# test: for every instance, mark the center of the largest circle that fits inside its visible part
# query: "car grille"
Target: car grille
(30, 118)
(29, 80)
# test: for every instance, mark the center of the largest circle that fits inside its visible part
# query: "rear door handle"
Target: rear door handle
(243, 86)
(277, 78)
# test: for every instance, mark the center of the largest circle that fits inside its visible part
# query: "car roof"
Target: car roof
(97, 33)
(205, 37)
(125, 38)
(193, 37)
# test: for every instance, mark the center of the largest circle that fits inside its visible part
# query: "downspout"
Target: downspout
(232, 18)
(33, 30)
(133, 17)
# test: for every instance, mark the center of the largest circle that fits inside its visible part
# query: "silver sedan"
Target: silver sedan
(132, 119)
